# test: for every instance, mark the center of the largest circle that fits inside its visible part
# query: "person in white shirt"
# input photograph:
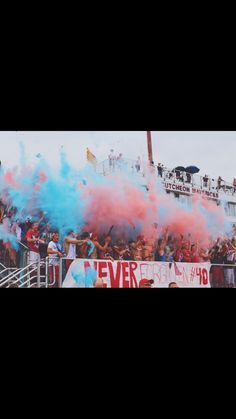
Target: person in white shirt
(70, 243)
(55, 253)
(17, 230)
(112, 159)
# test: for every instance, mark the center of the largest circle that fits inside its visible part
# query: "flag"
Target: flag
(91, 158)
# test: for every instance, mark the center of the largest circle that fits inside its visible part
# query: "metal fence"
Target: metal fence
(223, 275)
(107, 167)
(45, 275)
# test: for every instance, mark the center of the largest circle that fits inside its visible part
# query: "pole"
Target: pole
(38, 274)
(60, 273)
(149, 145)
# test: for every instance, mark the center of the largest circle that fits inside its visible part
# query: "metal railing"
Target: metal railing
(26, 277)
(31, 276)
(223, 281)
(105, 168)
(3, 269)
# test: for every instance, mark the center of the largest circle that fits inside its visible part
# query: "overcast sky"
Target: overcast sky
(213, 152)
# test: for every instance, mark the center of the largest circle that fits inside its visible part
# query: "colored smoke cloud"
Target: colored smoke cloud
(85, 200)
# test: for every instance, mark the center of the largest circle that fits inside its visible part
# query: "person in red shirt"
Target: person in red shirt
(186, 254)
(178, 255)
(33, 239)
(195, 258)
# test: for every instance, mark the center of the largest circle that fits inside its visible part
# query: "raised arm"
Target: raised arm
(100, 247)
(75, 241)
(164, 240)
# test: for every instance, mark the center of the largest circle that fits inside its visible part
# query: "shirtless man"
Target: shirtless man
(137, 249)
(86, 249)
(98, 247)
(149, 250)
(107, 254)
(121, 250)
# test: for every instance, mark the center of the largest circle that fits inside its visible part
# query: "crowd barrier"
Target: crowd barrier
(83, 273)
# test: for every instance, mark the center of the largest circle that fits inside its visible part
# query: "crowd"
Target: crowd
(37, 235)
(38, 239)
(115, 160)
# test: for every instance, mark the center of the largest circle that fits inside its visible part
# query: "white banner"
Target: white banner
(84, 273)
(188, 189)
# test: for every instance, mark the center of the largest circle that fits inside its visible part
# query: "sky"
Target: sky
(213, 152)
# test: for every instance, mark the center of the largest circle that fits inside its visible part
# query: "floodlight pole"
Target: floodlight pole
(149, 145)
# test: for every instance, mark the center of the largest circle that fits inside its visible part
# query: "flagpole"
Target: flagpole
(149, 146)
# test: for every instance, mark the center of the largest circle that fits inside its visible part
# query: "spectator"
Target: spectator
(229, 271)
(17, 230)
(205, 181)
(98, 283)
(178, 255)
(187, 255)
(195, 257)
(25, 227)
(121, 250)
(138, 164)
(177, 174)
(219, 183)
(111, 159)
(97, 246)
(149, 250)
(188, 177)
(109, 254)
(33, 239)
(159, 169)
(160, 252)
(119, 160)
(173, 285)
(55, 253)
(217, 276)
(70, 243)
(146, 283)
(47, 233)
(87, 248)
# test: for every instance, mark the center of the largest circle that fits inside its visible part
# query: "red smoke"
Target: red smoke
(119, 205)
(123, 204)
(10, 181)
(42, 177)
